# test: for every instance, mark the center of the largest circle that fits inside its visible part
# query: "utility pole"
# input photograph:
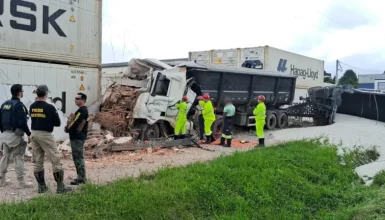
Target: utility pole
(338, 66)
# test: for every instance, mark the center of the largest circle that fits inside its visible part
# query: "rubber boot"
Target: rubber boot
(3, 181)
(176, 137)
(261, 142)
(22, 184)
(208, 139)
(228, 143)
(222, 141)
(212, 138)
(61, 188)
(42, 186)
(183, 136)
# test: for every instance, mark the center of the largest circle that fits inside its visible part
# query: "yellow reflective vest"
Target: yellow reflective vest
(208, 111)
(260, 111)
(182, 107)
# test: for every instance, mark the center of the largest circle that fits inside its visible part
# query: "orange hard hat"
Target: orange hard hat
(261, 97)
(206, 96)
(200, 97)
(184, 98)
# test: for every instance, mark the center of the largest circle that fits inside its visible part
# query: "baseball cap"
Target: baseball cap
(42, 88)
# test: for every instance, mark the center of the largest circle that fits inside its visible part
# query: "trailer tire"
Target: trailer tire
(271, 121)
(149, 132)
(283, 120)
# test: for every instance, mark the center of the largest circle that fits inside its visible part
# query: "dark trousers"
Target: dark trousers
(201, 127)
(77, 147)
(227, 128)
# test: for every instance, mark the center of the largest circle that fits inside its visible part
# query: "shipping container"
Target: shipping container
(309, 71)
(63, 81)
(67, 32)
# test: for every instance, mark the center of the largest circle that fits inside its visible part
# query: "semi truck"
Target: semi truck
(144, 99)
(309, 71)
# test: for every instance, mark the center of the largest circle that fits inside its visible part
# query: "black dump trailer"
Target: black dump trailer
(243, 86)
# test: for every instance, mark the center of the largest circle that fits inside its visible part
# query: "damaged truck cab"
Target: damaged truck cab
(146, 94)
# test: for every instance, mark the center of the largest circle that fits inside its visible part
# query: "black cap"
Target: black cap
(15, 89)
(42, 89)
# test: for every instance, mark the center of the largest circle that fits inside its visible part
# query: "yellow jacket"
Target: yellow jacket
(260, 111)
(208, 111)
(182, 107)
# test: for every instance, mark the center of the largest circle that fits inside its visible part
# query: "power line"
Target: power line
(378, 71)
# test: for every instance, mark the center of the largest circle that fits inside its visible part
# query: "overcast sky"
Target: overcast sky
(352, 31)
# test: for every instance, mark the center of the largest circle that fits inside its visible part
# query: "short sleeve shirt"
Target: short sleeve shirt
(230, 110)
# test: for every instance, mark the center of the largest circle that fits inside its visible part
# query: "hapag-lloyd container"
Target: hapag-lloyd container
(310, 71)
(59, 31)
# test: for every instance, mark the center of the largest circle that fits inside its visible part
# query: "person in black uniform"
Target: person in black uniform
(77, 129)
(44, 118)
(13, 125)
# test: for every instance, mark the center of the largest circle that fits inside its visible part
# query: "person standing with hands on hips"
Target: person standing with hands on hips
(13, 125)
(44, 118)
(260, 116)
(77, 129)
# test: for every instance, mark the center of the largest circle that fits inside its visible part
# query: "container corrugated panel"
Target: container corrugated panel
(201, 57)
(63, 81)
(309, 71)
(52, 30)
(225, 57)
(252, 57)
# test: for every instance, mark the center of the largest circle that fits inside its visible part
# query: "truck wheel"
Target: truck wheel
(271, 121)
(283, 121)
(150, 132)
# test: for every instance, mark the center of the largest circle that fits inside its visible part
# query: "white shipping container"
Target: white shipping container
(310, 71)
(63, 81)
(52, 30)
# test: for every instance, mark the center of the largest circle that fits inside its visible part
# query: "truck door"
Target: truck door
(159, 100)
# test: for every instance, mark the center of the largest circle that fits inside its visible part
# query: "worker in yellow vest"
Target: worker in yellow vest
(260, 117)
(198, 114)
(209, 118)
(180, 125)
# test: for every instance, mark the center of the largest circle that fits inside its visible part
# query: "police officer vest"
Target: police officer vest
(9, 117)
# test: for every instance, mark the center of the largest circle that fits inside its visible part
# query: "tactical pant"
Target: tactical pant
(227, 128)
(77, 147)
(201, 127)
(16, 152)
(208, 123)
(180, 127)
(259, 126)
(44, 143)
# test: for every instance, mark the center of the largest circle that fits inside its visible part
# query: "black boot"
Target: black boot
(261, 142)
(61, 188)
(42, 186)
(222, 141)
(176, 137)
(228, 143)
(208, 139)
(212, 138)
(76, 182)
(183, 136)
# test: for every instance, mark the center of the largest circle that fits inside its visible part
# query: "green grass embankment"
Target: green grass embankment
(297, 180)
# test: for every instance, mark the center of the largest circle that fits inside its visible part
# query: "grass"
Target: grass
(296, 180)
